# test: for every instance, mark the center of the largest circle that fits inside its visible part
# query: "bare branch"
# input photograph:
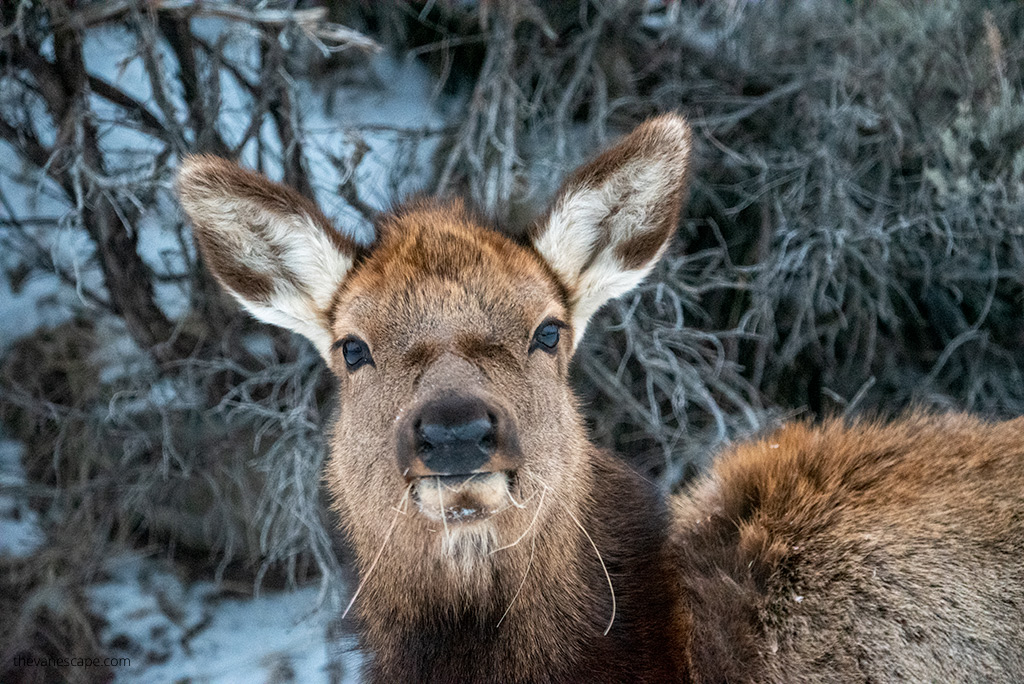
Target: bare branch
(311, 21)
(130, 105)
(177, 34)
(285, 116)
(348, 189)
(26, 143)
(125, 274)
(155, 72)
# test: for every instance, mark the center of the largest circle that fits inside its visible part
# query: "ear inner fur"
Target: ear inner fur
(267, 244)
(613, 218)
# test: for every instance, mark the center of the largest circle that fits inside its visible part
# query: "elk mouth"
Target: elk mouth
(462, 498)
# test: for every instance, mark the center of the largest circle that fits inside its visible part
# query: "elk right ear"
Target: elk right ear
(268, 245)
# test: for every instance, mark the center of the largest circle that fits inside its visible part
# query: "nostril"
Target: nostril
(471, 432)
(489, 440)
(453, 435)
(474, 436)
(423, 442)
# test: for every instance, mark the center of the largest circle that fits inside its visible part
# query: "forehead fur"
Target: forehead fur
(435, 262)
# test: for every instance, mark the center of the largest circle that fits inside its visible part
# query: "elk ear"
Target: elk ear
(268, 245)
(613, 217)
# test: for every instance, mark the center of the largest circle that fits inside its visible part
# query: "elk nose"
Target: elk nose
(451, 436)
(476, 434)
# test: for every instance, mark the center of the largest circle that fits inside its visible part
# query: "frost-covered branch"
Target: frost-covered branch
(311, 21)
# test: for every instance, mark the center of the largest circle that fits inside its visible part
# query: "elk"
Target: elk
(494, 542)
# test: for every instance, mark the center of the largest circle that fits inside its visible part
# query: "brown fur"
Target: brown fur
(836, 553)
(869, 552)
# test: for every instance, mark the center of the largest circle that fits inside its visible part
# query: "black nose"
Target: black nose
(476, 434)
(452, 435)
(455, 435)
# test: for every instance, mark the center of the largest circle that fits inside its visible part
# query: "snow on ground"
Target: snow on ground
(171, 631)
(20, 534)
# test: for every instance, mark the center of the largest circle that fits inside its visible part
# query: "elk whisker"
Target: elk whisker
(529, 565)
(536, 514)
(518, 504)
(380, 551)
(444, 518)
(603, 567)
(513, 499)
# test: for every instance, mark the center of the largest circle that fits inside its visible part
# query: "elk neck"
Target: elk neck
(538, 610)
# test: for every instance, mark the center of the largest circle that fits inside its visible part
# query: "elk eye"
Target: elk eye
(546, 337)
(356, 353)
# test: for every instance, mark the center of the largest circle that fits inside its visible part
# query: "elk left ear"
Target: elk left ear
(613, 218)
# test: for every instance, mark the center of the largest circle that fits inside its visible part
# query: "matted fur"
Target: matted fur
(865, 552)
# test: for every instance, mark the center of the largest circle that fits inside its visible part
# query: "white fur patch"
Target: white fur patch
(583, 217)
(291, 251)
(317, 268)
(467, 535)
(467, 546)
(486, 492)
(572, 232)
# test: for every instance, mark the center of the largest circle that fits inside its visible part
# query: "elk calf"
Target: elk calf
(494, 542)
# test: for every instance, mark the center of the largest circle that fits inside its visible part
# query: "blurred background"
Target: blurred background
(853, 245)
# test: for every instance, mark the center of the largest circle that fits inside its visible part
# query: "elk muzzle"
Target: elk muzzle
(456, 435)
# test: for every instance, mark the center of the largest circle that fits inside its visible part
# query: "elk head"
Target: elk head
(451, 344)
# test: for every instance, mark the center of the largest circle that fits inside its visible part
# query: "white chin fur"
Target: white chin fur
(474, 499)
(465, 532)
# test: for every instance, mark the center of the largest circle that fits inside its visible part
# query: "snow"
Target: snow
(115, 355)
(173, 631)
(259, 345)
(393, 114)
(20, 533)
(397, 100)
(32, 307)
(41, 300)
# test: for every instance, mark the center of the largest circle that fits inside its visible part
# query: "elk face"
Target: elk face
(452, 368)
(450, 341)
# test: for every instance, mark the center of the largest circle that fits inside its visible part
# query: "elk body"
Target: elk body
(494, 542)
